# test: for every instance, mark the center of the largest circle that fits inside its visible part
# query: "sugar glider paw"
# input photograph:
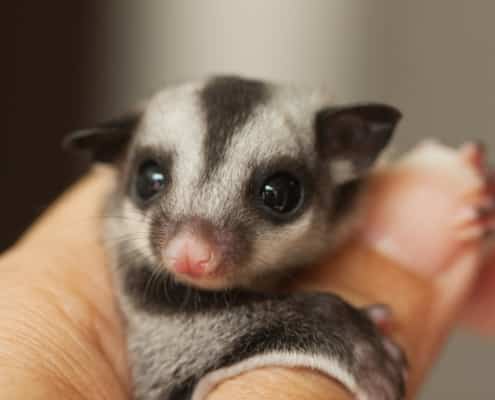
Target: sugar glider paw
(476, 222)
(380, 315)
(395, 363)
(431, 202)
(476, 219)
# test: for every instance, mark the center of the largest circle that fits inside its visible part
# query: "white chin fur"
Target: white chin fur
(213, 283)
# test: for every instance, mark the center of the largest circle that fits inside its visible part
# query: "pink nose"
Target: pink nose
(189, 254)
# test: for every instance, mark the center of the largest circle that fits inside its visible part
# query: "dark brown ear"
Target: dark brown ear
(106, 141)
(352, 137)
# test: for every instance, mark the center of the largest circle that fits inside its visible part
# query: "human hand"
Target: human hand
(61, 335)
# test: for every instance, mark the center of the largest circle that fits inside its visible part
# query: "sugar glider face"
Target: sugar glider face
(229, 181)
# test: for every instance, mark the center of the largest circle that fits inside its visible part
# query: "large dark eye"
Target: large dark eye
(150, 180)
(281, 193)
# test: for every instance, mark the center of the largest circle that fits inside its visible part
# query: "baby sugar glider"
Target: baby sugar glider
(225, 187)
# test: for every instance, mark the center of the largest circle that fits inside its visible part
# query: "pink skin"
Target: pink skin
(433, 209)
(191, 256)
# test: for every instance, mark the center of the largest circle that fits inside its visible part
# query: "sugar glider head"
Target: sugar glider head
(229, 181)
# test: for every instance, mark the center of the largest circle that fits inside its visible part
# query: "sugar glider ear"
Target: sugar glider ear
(106, 141)
(352, 137)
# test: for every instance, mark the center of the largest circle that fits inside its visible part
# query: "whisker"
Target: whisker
(127, 237)
(184, 302)
(151, 283)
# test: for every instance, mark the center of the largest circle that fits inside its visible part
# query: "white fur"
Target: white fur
(131, 226)
(329, 367)
(174, 122)
(342, 171)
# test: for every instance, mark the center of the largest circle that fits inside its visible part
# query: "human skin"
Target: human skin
(61, 334)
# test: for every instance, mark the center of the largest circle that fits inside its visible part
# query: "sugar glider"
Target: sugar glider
(225, 187)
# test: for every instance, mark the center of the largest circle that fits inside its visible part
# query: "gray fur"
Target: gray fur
(246, 326)
(234, 132)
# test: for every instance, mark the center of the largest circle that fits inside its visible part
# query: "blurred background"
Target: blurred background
(69, 65)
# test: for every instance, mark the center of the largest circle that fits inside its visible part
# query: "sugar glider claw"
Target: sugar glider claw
(380, 314)
(476, 220)
(443, 198)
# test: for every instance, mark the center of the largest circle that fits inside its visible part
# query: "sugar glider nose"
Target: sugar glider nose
(190, 254)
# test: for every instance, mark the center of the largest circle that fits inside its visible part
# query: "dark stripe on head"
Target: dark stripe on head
(228, 102)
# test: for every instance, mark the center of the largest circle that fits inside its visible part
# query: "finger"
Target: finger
(57, 272)
(74, 222)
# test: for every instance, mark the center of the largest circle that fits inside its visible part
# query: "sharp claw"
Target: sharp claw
(476, 222)
(380, 314)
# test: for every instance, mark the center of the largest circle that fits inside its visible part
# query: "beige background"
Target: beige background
(435, 59)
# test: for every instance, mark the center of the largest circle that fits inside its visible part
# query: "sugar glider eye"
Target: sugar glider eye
(281, 194)
(150, 180)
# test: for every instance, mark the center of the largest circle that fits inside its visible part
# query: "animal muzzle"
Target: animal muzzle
(192, 252)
